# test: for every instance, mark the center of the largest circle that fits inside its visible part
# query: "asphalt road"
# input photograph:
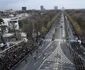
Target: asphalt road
(51, 55)
(61, 58)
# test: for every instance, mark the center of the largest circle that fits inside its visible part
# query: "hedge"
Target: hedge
(75, 25)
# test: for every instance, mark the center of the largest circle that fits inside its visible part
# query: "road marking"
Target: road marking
(47, 46)
(59, 40)
(44, 58)
(39, 56)
(47, 39)
(81, 57)
(35, 63)
(41, 64)
(34, 54)
(26, 66)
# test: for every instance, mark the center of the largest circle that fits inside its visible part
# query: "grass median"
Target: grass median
(54, 35)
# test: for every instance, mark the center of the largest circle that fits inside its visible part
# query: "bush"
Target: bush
(49, 24)
(43, 30)
(54, 35)
(53, 20)
(75, 25)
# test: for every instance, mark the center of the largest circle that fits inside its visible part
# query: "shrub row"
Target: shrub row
(75, 25)
(49, 24)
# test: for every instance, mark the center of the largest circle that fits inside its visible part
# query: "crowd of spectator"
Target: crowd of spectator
(79, 63)
(13, 55)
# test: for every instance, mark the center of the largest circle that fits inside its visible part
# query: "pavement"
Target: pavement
(51, 55)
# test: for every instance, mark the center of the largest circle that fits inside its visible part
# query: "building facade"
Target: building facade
(24, 8)
(55, 7)
(42, 7)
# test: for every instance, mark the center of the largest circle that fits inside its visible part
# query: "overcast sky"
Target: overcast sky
(35, 4)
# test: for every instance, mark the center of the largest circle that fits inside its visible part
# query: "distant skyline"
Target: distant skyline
(35, 4)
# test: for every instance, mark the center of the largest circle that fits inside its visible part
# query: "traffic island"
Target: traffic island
(54, 35)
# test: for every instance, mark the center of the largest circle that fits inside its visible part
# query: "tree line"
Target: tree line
(39, 23)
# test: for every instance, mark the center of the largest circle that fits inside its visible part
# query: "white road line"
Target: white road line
(41, 64)
(26, 66)
(39, 56)
(81, 57)
(60, 40)
(47, 46)
(35, 63)
(46, 59)
(47, 39)
(45, 49)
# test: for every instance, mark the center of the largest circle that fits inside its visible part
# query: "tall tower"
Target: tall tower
(55, 7)
(62, 8)
(42, 7)
(24, 8)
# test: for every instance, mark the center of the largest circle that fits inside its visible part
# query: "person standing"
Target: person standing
(25, 60)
